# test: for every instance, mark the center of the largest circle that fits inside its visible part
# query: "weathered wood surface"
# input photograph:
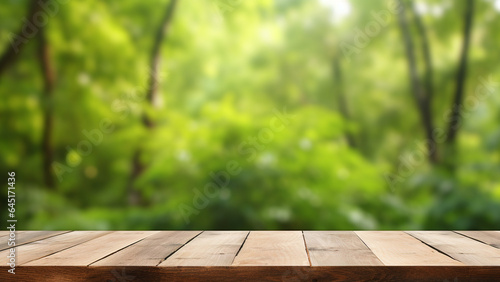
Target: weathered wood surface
(253, 255)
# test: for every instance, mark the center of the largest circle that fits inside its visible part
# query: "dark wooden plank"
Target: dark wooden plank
(86, 253)
(210, 248)
(150, 251)
(253, 273)
(334, 248)
(278, 248)
(41, 248)
(459, 247)
(25, 237)
(491, 238)
(399, 248)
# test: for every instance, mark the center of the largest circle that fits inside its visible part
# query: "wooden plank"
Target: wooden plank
(150, 251)
(25, 237)
(334, 248)
(278, 248)
(210, 248)
(5, 235)
(253, 273)
(491, 238)
(51, 245)
(398, 248)
(459, 247)
(93, 250)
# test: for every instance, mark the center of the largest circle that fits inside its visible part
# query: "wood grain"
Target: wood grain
(150, 251)
(93, 250)
(38, 249)
(279, 248)
(5, 235)
(25, 237)
(491, 238)
(210, 248)
(256, 256)
(398, 248)
(466, 250)
(334, 248)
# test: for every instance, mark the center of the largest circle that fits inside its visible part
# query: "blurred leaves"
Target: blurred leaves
(227, 67)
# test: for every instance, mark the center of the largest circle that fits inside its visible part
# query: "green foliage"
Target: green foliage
(227, 68)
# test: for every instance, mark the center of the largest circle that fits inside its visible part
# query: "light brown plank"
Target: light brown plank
(38, 249)
(491, 238)
(277, 248)
(399, 248)
(459, 247)
(335, 248)
(25, 237)
(93, 250)
(210, 248)
(5, 235)
(150, 251)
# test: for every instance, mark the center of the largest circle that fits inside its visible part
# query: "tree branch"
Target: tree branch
(426, 51)
(11, 52)
(341, 99)
(48, 74)
(152, 89)
(454, 121)
(421, 97)
(134, 195)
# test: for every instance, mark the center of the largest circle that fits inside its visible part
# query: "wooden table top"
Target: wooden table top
(252, 255)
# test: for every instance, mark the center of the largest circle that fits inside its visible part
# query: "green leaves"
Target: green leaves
(247, 86)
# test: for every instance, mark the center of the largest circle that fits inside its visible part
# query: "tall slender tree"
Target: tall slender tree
(461, 75)
(9, 57)
(49, 77)
(420, 92)
(134, 195)
(423, 89)
(341, 99)
(18, 40)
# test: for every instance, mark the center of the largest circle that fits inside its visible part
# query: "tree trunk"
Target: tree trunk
(11, 53)
(152, 88)
(420, 94)
(134, 195)
(455, 119)
(341, 99)
(426, 52)
(48, 74)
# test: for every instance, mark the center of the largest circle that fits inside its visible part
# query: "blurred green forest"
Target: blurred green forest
(256, 114)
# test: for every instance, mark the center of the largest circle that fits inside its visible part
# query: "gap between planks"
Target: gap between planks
(164, 259)
(246, 237)
(94, 249)
(460, 247)
(338, 248)
(491, 238)
(431, 246)
(26, 237)
(307, 250)
(399, 248)
(210, 248)
(279, 248)
(276, 248)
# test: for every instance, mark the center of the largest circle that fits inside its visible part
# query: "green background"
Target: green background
(349, 152)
